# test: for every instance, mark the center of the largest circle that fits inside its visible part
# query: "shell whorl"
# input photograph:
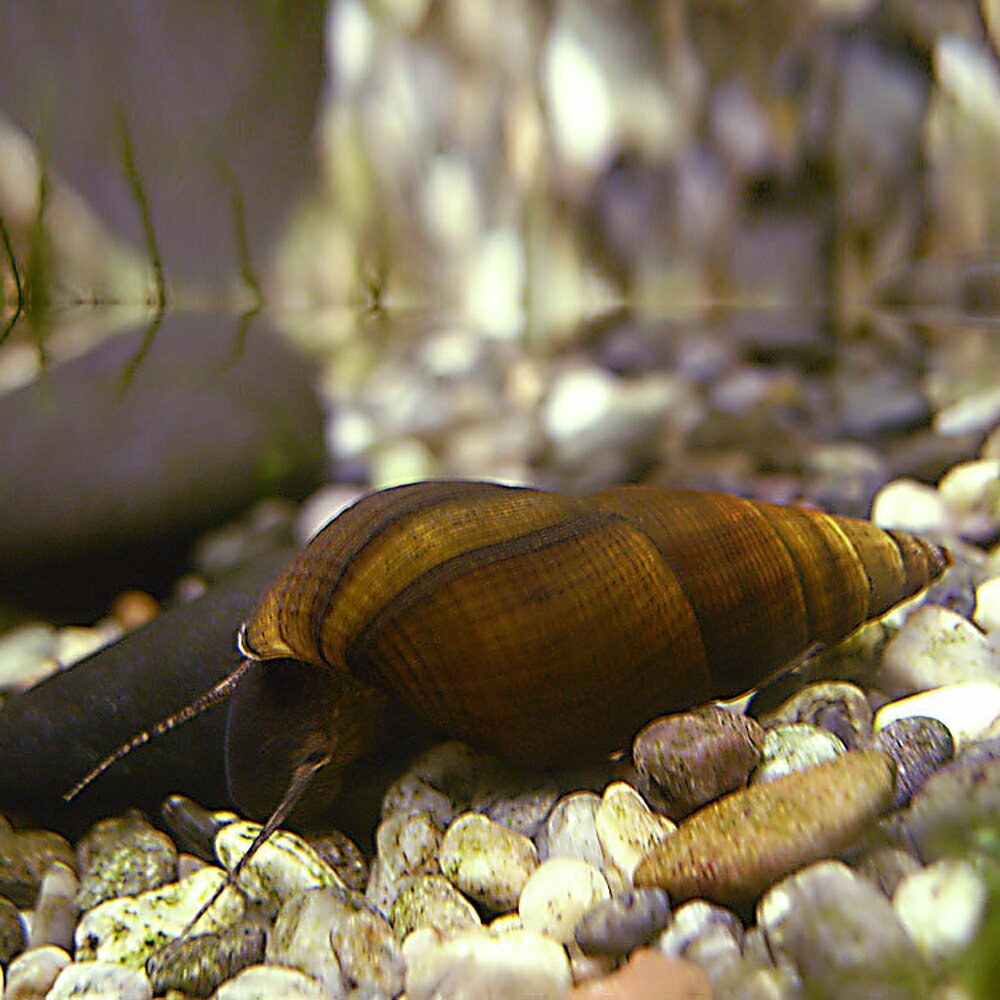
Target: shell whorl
(545, 628)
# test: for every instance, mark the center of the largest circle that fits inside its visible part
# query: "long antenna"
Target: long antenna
(201, 704)
(301, 777)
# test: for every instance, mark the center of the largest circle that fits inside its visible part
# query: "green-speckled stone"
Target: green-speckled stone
(731, 850)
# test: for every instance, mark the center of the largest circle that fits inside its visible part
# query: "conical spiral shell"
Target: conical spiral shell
(545, 628)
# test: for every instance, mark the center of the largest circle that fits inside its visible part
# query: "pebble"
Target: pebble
(526, 811)
(558, 894)
(518, 965)
(194, 827)
(89, 980)
(648, 975)
(910, 506)
(836, 706)
(407, 845)
(441, 781)
(968, 710)
(954, 803)
(25, 857)
(842, 934)
(731, 850)
(13, 938)
(123, 856)
(54, 918)
(344, 857)
(936, 647)
(26, 656)
(918, 746)
(971, 491)
(370, 956)
(794, 746)
(431, 901)
(689, 759)
(32, 974)
(128, 929)
(265, 982)
(284, 865)
(486, 861)
(987, 613)
(695, 921)
(571, 830)
(198, 964)
(626, 920)
(942, 907)
(886, 866)
(627, 828)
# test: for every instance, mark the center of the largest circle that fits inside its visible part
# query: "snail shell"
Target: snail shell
(547, 629)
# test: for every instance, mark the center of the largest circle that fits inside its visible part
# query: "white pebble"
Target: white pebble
(794, 746)
(26, 656)
(558, 894)
(941, 907)
(128, 929)
(100, 981)
(987, 613)
(488, 862)
(934, 647)
(911, 506)
(971, 491)
(32, 974)
(968, 710)
(518, 961)
(627, 828)
(571, 829)
(264, 982)
(283, 866)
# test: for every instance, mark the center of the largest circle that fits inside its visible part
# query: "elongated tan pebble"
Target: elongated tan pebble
(731, 850)
(648, 975)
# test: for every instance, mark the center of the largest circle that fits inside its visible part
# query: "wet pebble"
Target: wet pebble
(954, 803)
(337, 940)
(264, 982)
(196, 965)
(700, 926)
(194, 827)
(734, 848)
(431, 901)
(836, 706)
(971, 491)
(910, 506)
(936, 647)
(794, 746)
(344, 857)
(441, 781)
(486, 861)
(558, 894)
(524, 812)
(89, 980)
(519, 965)
(886, 866)
(942, 907)
(54, 918)
(32, 974)
(968, 710)
(648, 975)
(842, 934)
(627, 828)
(689, 759)
(407, 845)
(123, 856)
(571, 830)
(628, 919)
(987, 613)
(25, 857)
(13, 938)
(284, 865)
(128, 929)
(918, 746)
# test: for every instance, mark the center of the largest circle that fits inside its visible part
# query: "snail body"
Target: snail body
(548, 629)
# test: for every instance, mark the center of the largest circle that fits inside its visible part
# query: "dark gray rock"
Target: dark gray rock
(617, 925)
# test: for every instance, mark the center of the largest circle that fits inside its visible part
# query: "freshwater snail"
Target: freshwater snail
(539, 627)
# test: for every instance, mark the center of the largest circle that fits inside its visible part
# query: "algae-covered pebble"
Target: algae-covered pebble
(284, 865)
(488, 862)
(431, 901)
(196, 965)
(734, 848)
